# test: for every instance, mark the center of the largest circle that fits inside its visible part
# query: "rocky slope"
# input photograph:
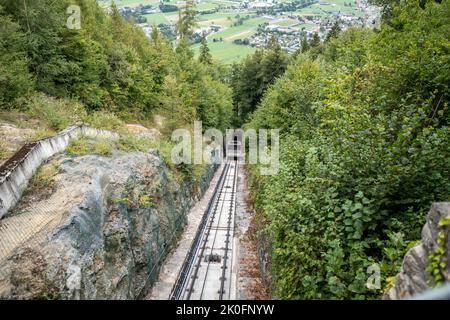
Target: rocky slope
(101, 232)
(413, 277)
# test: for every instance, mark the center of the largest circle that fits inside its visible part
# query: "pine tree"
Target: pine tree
(186, 20)
(315, 41)
(274, 62)
(184, 52)
(304, 45)
(254, 75)
(334, 32)
(273, 43)
(155, 35)
(205, 56)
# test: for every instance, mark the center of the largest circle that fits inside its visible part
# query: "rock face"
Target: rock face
(17, 170)
(413, 278)
(102, 234)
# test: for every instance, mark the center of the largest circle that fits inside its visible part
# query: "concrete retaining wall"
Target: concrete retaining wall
(16, 172)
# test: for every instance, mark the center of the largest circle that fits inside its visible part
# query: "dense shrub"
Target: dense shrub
(15, 80)
(365, 151)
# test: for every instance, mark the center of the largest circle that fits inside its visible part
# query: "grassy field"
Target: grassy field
(286, 22)
(226, 52)
(156, 18)
(305, 26)
(331, 6)
(128, 3)
(205, 6)
(216, 18)
(248, 25)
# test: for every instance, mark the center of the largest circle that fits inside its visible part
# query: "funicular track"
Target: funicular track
(207, 271)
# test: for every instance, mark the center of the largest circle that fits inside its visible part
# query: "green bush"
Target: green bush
(103, 120)
(109, 66)
(131, 143)
(43, 180)
(102, 147)
(364, 153)
(55, 114)
(79, 146)
(15, 79)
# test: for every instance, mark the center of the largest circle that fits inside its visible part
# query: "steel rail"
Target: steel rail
(227, 241)
(218, 229)
(216, 225)
(201, 255)
(183, 275)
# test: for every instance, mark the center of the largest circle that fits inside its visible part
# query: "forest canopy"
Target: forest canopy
(108, 65)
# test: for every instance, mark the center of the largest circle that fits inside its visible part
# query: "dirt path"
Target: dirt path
(250, 284)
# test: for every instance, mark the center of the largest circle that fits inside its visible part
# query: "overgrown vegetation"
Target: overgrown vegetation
(251, 78)
(437, 262)
(364, 117)
(365, 151)
(42, 183)
(105, 74)
(106, 71)
(83, 145)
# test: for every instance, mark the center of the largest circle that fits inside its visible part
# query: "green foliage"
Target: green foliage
(334, 32)
(251, 78)
(15, 80)
(132, 143)
(364, 153)
(83, 145)
(146, 201)
(54, 114)
(186, 20)
(102, 147)
(436, 260)
(78, 146)
(43, 180)
(304, 45)
(109, 66)
(204, 56)
(103, 120)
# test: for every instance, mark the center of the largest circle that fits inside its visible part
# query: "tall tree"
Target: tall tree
(156, 36)
(334, 31)
(186, 20)
(315, 41)
(15, 80)
(304, 45)
(274, 62)
(254, 75)
(205, 56)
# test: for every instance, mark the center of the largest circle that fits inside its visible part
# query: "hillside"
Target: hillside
(364, 152)
(103, 73)
(108, 129)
